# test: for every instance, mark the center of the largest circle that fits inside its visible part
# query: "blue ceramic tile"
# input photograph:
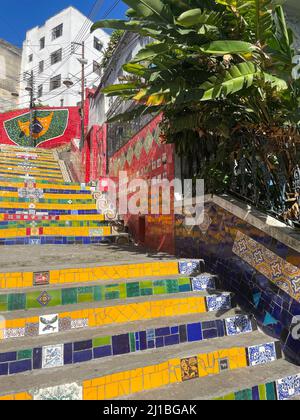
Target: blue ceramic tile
(8, 357)
(82, 356)
(194, 332)
(172, 340)
(162, 331)
(20, 366)
(121, 344)
(37, 358)
(3, 369)
(261, 354)
(159, 342)
(83, 345)
(104, 351)
(68, 354)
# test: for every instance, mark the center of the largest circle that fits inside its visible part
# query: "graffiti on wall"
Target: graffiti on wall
(39, 127)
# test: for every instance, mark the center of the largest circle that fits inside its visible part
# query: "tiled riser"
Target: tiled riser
(52, 240)
(283, 389)
(147, 378)
(78, 352)
(119, 314)
(18, 280)
(52, 298)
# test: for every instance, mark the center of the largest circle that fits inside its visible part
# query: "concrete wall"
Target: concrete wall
(69, 67)
(10, 64)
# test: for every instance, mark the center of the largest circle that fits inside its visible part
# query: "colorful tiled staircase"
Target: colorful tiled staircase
(38, 206)
(147, 327)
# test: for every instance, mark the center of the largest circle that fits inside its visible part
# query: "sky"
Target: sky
(18, 16)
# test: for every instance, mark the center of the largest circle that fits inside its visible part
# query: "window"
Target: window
(41, 66)
(57, 32)
(56, 57)
(98, 44)
(97, 68)
(30, 58)
(42, 43)
(40, 91)
(55, 82)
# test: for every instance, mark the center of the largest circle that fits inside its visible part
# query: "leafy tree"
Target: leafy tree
(220, 71)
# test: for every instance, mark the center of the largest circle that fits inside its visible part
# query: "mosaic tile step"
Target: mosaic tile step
(19, 183)
(87, 200)
(21, 280)
(17, 206)
(58, 240)
(134, 375)
(67, 231)
(257, 384)
(46, 298)
(46, 321)
(54, 223)
(17, 217)
(100, 346)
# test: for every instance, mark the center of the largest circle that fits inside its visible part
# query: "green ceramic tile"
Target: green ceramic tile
(24, 354)
(123, 291)
(3, 303)
(160, 290)
(69, 296)
(172, 286)
(102, 341)
(132, 342)
(184, 281)
(146, 284)
(147, 292)
(262, 392)
(112, 295)
(133, 290)
(16, 301)
(85, 290)
(98, 293)
(229, 397)
(270, 390)
(159, 283)
(245, 395)
(56, 297)
(84, 298)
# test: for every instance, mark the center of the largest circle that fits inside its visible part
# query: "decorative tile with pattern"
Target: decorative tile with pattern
(262, 354)
(68, 392)
(44, 299)
(41, 278)
(288, 388)
(219, 302)
(53, 356)
(48, 324)
(190, 267)
(238, 325)
(280, 272)
(203, 282)
(189, 368)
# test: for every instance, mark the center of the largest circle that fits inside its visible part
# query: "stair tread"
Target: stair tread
(116, 364)
(215, 386)
(104, 304)
(110, 330)
(50, 257)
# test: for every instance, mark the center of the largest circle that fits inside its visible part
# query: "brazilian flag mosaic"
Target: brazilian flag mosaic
(40, 127)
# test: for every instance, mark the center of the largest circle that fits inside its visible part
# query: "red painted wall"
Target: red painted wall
(150, 161)
(72, 130)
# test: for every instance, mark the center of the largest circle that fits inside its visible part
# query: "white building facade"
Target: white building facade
(50, 57)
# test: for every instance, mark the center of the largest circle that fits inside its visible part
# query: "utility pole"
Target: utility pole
(68, 82)
(82, 95)
(30, 89)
